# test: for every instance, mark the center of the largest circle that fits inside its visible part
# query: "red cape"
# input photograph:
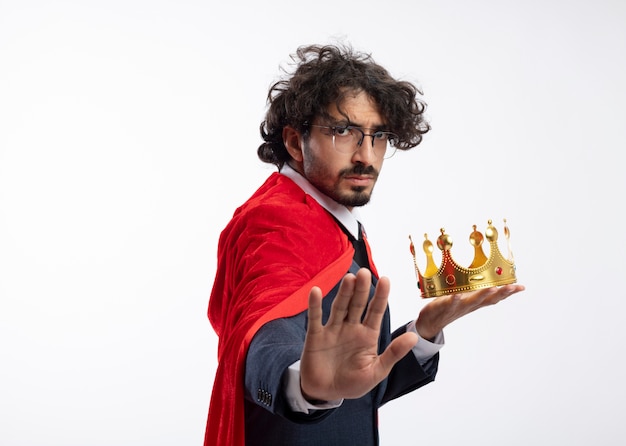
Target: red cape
(277, 246)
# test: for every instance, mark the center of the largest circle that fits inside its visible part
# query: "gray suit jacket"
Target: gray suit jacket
(268, 418)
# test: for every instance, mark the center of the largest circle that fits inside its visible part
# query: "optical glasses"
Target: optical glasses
(349, 138)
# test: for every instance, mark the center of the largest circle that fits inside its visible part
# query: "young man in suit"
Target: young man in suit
(306, 351)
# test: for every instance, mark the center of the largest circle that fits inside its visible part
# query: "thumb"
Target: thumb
(395, 351)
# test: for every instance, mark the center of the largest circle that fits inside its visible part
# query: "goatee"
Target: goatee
(359, 197)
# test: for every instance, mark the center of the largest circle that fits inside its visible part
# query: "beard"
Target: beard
(360, 196)
(320, 175)
(357, 195)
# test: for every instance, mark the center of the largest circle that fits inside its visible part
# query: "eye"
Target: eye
(381, 135)
(343, 131)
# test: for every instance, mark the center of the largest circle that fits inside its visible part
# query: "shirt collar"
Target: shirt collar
(339, 211)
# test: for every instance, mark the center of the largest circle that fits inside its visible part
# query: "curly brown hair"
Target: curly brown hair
(324, 75)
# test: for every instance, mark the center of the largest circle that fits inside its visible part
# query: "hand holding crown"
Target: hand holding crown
(443, 310)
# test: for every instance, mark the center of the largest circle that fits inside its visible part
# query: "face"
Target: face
(349, 179)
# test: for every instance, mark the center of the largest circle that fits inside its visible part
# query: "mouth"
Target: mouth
(360, 180)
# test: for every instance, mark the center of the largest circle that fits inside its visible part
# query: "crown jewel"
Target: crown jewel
(451, 278)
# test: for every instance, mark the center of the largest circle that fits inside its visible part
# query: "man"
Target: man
(306, 354)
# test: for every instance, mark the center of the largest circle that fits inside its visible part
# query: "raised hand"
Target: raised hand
(340, 359)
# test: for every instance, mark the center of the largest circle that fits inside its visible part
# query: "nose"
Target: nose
(365, 151)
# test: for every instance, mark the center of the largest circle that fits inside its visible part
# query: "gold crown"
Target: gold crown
(451, 278)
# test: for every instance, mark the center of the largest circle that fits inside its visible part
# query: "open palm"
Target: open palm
(340, 359)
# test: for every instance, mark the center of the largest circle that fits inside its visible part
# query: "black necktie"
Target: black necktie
(360, 250)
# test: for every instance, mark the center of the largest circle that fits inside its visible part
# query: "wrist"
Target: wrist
(425, 331)
(312, 399)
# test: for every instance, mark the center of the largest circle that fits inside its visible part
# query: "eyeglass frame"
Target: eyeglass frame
(334, 128)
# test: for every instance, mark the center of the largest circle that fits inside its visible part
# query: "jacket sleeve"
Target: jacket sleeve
(408, 375)
(276, 346)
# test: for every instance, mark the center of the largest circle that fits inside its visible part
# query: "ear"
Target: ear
(292, 139)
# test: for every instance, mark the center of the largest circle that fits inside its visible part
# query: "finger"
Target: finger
(315, 310)
(513, 288)
(395, 351)
(497, 294)
(378, 305)
(339, 308)
(488, 296)
(361, 294)
(508, 290)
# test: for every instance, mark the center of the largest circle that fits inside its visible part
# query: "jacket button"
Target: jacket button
(263, 396)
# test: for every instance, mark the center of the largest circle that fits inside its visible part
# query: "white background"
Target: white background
(128, 136)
